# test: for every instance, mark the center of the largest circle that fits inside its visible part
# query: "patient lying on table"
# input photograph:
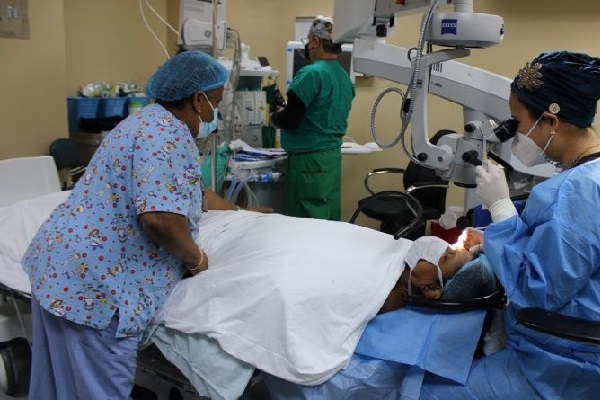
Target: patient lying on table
(429, 263)
(290, 296)
(413, 338)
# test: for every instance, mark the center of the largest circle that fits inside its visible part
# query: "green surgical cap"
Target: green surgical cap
(185, 74)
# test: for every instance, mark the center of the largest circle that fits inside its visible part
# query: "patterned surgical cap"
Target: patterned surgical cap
(322, 27)
(562, 82)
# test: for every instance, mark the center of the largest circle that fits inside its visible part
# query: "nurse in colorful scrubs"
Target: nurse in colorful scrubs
(107, 258)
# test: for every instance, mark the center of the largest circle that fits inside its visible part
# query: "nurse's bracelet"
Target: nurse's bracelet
(199, 265)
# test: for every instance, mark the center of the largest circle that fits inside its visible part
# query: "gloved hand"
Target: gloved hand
(491, 183)
(473, 240)
(492, 189)
(476, 249)
(470, 239)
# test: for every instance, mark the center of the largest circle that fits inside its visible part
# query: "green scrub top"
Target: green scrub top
(327, 92)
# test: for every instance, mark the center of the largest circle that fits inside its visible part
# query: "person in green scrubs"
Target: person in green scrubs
(313, 124)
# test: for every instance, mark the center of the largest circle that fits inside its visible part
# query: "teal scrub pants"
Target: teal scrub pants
(314, 184)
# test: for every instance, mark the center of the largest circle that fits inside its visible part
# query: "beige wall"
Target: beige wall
(108, 41)
(532, 26)
(77, 41)
(72, 42)
(32, 84)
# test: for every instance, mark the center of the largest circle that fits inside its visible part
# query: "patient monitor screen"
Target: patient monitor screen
(296, 60)
(344, 58)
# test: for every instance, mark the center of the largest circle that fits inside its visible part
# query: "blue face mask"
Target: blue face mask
(206, 128)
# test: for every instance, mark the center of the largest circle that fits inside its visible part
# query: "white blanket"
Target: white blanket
(18, 224)
(289, 296)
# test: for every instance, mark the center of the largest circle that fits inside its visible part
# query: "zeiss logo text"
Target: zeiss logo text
(449, 26)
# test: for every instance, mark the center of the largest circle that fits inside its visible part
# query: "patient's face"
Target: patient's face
(452, 260)
(424, 278)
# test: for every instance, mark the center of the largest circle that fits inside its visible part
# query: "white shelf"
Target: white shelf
(258, 72)
(250, 68)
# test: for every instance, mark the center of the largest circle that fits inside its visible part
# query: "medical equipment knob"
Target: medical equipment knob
(469, 128)
(471, 157)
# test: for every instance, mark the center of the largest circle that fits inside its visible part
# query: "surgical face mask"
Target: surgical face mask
(306, 49)
(525, 149)
(428, 248)
(206, 128)
(306, 52)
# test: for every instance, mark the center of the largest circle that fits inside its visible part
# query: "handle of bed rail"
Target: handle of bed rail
(559, 325)
(496, 299)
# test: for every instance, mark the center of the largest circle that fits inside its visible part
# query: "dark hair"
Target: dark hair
(330, 47)
(536, 114)
(177, 104)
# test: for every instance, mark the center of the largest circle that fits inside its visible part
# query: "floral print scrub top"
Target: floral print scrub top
(90, 259)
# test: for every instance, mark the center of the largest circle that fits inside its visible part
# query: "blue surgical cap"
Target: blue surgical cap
(185, 74)
(562, 82)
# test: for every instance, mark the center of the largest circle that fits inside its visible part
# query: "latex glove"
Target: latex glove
(492, 189)
(476, 249)
(502, 209)
(491, 183)
(474, 240)
(470, 239)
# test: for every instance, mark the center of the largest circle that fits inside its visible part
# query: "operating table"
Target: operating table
(167, 380)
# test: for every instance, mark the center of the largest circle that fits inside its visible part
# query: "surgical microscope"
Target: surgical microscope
(483, 95)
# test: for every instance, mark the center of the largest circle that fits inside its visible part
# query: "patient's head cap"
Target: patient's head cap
(428, 248)
(185, 74)
(563, 83)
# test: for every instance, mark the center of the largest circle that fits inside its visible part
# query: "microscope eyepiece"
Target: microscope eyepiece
(506, 130)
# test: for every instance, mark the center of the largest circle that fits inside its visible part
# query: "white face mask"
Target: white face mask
(428, 248)
(206, 128)
(525, 149)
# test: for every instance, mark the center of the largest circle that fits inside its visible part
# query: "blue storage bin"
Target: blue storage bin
(112, 107)
(135, 104)
(81, 107)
